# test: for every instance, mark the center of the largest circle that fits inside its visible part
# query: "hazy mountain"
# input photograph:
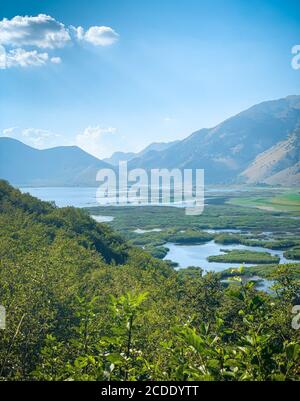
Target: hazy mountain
(60, 166)
(228, 149)
(277, 165)
(116, 157)
(127, 156)
(260, 144)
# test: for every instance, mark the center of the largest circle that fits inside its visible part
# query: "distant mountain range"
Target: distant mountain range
(61, 166)
(123, 156)
(258, 145)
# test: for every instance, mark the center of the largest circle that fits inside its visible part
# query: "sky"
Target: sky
(111, 75)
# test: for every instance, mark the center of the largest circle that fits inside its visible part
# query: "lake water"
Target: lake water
(223, 230)
(66, 196)
(196, 255)
(102, 219)
(141, 231)
(82, 197)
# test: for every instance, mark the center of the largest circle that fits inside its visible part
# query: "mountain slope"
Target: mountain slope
(287, 177)
(61, 166)
(277, 165)
(226, 150)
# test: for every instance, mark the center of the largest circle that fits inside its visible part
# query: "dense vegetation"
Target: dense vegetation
(265, 271)
(293, 253)
(242, 256)
(83, 304)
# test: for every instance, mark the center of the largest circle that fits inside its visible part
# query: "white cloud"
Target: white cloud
(41, 31)
(40, 138)
(23, 58)
(79, 32)
(44, 32)
(98, 35)
(55, 60)
(97, 141)
(36, 137)
(9, 131)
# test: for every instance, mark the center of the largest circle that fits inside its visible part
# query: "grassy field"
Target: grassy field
(287, 202)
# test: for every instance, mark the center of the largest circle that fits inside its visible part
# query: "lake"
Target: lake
(196, 255)
(81, 197)
(86, 196)
(65, 196)
(102, 219)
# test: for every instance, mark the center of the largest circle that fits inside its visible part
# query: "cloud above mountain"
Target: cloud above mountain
(36, 137)
(44, 32)
(98, 141)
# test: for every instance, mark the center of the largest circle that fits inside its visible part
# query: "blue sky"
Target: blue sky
(168, 69)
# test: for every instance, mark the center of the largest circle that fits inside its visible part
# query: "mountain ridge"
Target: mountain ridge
(258, 145)
(116, 157)
(227, 149)
(21, 164)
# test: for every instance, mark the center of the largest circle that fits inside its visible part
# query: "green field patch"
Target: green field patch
(244, 256)
(287, 202)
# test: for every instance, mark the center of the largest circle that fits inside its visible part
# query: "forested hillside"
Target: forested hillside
(81, 304)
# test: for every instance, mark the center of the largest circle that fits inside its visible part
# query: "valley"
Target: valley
(233, 220)
(231, 232)
(99, 265)
(149, 195)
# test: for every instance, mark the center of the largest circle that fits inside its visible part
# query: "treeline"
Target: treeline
(82, 304)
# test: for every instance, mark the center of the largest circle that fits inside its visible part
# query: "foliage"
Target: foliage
(83, 304)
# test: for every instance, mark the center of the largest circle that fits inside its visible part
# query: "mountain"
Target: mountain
(116, 157)
(60, 166)
(277, 165)
(127, 156)
(227, 150)
(258, 145)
